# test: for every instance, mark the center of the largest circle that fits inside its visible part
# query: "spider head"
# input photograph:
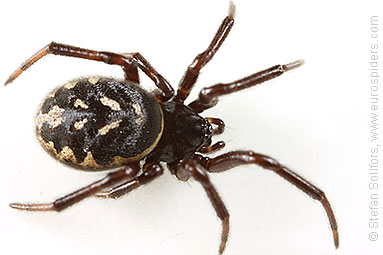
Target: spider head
(193, 130)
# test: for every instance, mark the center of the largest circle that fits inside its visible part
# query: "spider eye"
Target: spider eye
(206, 130)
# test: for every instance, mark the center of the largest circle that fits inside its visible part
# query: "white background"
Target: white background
(313, 119)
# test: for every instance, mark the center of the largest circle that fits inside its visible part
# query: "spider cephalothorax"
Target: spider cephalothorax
(95, 123)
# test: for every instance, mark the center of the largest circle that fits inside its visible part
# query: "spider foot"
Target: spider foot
(33, 207)
(225, 235)
(293, 65)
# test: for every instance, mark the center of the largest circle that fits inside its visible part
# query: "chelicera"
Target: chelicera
(95, 123)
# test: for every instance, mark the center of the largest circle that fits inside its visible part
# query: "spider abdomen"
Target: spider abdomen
(98, 122)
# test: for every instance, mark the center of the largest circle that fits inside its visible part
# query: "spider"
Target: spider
(96, 123)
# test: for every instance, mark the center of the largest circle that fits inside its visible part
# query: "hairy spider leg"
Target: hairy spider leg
(192, 168)
(151, 171)
(236, 158)
(191, 75)
(128, 62)
(128, 171)
(208, 97)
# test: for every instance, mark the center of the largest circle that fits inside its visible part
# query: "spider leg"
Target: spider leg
(128, 62)
(235, 158)
(72, 198)
(191, 75)
(151, 171)
(193, 168)
(208, 97)
(131, 71)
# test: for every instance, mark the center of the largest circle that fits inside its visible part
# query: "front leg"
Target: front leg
(208, 97)
(191, 75)
(236, 158)
(75, 197)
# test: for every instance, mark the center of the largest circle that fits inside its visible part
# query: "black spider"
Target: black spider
(95, 123)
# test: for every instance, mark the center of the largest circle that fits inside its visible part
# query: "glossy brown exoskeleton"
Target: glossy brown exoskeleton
(95, 123)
